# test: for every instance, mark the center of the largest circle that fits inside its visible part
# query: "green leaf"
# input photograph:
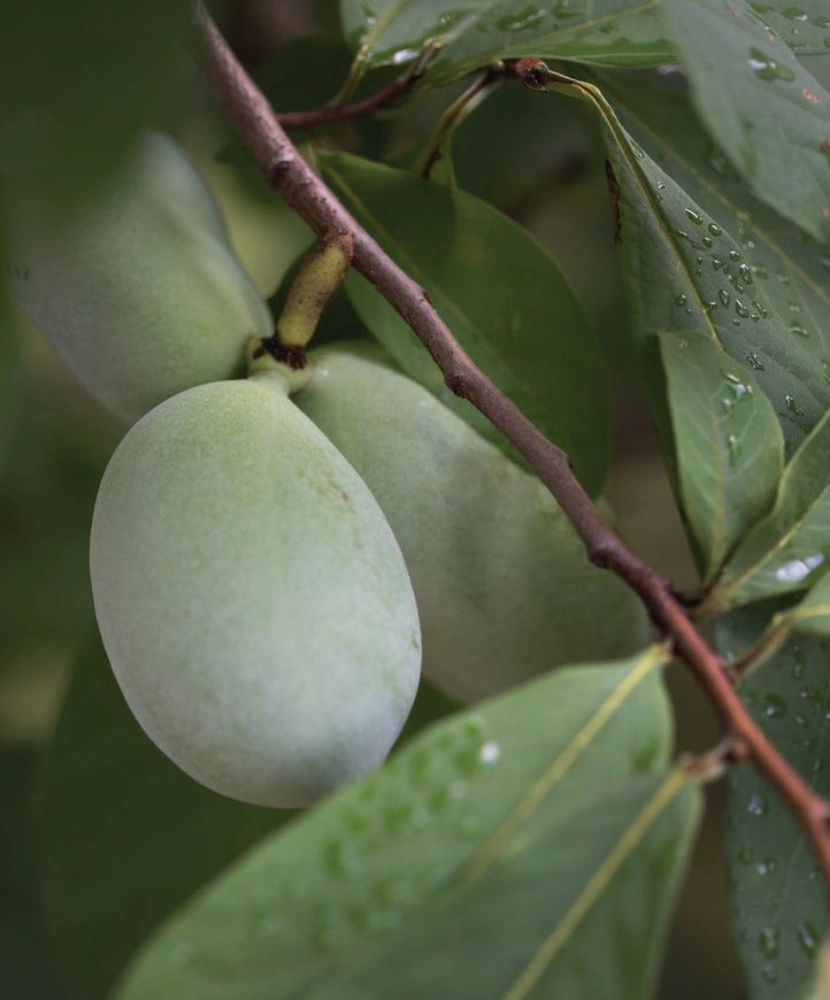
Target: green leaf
(690, 269)
(502, 296)
(730, 450)
(775, 125)
(779, 912)
(124, 836)
(470, 34)
(804, 26)
(812, 615)
(790, 271)
(26, 971)
(538, 819)
(790, 548)
(93, 73)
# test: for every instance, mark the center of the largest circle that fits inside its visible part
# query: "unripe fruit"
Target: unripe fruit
(140, 292)
(503, 585)
(252, 599)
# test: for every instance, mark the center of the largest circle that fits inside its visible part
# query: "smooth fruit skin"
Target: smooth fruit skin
(252, 599)
(503, 585)
(140, 291)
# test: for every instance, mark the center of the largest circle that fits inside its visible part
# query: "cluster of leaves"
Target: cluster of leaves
(505, 848)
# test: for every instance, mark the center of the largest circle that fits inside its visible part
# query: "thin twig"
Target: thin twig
(304, 192)
(330, 114)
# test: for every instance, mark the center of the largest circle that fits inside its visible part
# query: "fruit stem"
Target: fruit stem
(320, 276)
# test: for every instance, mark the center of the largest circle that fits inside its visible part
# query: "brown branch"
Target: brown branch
(304, 192)
(330, 114)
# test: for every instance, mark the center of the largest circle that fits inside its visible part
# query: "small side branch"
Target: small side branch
(304, 192)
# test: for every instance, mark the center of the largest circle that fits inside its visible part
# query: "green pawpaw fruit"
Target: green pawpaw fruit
(252, 599)
(140, 291)
(504, 588)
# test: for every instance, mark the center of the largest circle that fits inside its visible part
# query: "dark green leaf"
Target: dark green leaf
(124, 835)
(501, 294)
(790, 272)
(690, 269)
(25, 960)
(78, 80)
(775, 125)
(470, 34)
(779, 912)
(790, 548)
(804, 25)
(533, 809)
(729, 447)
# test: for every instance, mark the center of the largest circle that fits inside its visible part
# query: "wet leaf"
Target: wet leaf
(775, 126)
(790, 548)
(804, 24)
(729, 447)
(779, 912)
(470, 34)
(545, 820)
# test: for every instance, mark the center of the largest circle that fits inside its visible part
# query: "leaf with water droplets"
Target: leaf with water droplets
(729, 447)
(775, 126)
(469, 34)
(812, 615)
(694, 277)
(804, 24)
(500, 292)
(779, 913)
(536, 811)
(790, 548)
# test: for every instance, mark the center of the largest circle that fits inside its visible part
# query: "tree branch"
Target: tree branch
(306, 194)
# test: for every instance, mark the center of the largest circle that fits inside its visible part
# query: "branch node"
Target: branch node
(275, 172)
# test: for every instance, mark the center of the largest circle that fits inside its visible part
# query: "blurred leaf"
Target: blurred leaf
(775, 126)
(812, 615)
(25, 959)
(789, 549)
(530, 815)
(730, 450)
(686, 270)
(804, 26)
(78, 80)
(52, 464)
(470, 34)
(779, 909)
(502, 295)
(124, 836)
(790, 272)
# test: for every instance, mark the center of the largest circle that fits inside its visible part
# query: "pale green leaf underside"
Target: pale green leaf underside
(501, 294)
(729, 447)
(459, 812)
(470, 33)
(775, 123)
(790, 548)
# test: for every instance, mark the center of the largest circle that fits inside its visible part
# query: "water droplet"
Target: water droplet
(799, 330)
(767, 68)
(791, 405)
(797, 570)
(799, 663)
(766, 867)
(744, 855)
(706, 241)
(758, 804)
(825, 263)
(808, 937)
(680, 300)
(760, 271)
(774, 706)
(489, 752)
(724, 297)
(745, 274)
(754, 362)
(714, 229)
(733, 448)
(741, 309)
(768, 942)
(768, 973)
(734, 255)
(717, 263)
(696, 217)
(761, 309)
(783, 277)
